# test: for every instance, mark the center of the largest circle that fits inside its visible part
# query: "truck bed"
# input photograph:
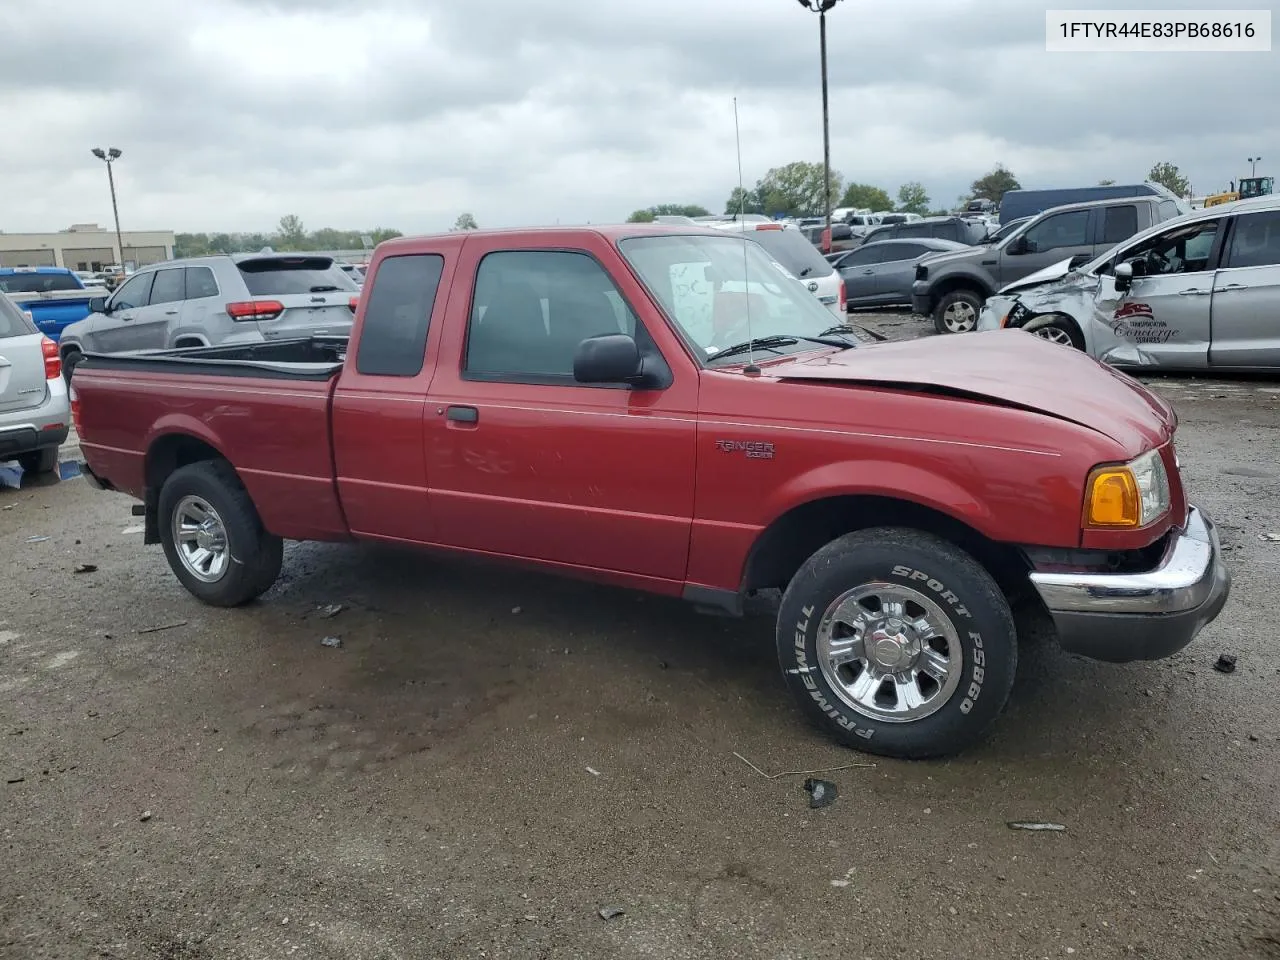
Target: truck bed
(263, 407)
(307, 358)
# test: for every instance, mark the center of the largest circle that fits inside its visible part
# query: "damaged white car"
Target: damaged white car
(1199, 292)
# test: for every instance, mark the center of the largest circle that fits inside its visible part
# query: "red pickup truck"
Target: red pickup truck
(667, 409)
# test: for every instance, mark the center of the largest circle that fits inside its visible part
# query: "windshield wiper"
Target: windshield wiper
(323, 289)
(777, 340)
(805, 272)
(854, 331)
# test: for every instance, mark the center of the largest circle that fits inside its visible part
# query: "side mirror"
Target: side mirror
(97, 304)
(1123, 276)
(608, 358)
(1016, 246)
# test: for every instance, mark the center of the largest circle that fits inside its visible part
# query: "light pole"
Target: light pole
(820, 7)
(108, 156)
(1253, 166)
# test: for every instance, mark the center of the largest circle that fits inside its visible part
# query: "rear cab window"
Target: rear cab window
(282, 276)
(1119, 223)
(397, 315)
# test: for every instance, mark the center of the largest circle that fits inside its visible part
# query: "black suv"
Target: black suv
(956, 229)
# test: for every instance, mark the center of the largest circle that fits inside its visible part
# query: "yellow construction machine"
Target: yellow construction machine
(1249, 187)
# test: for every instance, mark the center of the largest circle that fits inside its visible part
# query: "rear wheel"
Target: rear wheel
(39, 461)
(957, 312)
(898, 643)
(213, 538)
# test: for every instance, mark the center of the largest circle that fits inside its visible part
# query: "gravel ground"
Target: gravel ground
(491, 757)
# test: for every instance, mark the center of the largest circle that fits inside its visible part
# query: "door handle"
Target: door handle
(1194, 293)
(867, 273)
(462, 414)
(171, 313)
(1232, 286)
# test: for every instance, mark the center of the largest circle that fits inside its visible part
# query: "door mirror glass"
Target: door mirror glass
(97, 304)
(1124, 276)
(608, 358)
(1017, 246)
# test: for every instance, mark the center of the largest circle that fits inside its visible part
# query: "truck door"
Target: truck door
(522, 460)
(1055, 238)
(1246, 295)
(381, 396)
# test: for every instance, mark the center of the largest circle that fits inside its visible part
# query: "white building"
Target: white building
(84, 246)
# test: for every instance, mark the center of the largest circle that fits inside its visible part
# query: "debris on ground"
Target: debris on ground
(85, 568)
(1226, 663)
(146, 815)
(334, 642)
(1025, 825)
(1269, 537)
(515, 609)
(7, 506)
(16, 780)
(593, 771)
(798, 773)
(331, 611)
(822, 793)
(164, 626)
(36, 539)
(611, 911)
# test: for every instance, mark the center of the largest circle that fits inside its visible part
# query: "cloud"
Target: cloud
(404, 113)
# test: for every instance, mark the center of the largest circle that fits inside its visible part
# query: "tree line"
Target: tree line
(796, 190)
(290, 235)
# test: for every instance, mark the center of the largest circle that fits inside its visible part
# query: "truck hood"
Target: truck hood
(1054, 272)
(944, 257)
(1011, 368)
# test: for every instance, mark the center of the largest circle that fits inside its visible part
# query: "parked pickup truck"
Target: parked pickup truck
(585, 401)
(54, 296)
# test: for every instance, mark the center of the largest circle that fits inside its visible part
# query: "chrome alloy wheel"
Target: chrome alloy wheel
(960, 317)
(201, 539)
(889, 652)
(1054, 335)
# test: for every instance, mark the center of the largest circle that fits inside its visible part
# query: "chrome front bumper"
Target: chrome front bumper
(1121, 617)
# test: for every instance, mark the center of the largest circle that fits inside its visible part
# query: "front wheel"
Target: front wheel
(957, 312)
(898, 643)
(213, 538)
(1056, 329)
(70, 360)
(44, 460)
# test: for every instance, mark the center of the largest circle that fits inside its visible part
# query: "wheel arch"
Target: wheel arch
(959, 281)
(167, 452)
(795, 535)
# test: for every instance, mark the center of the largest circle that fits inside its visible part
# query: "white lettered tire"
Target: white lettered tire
(898, 642)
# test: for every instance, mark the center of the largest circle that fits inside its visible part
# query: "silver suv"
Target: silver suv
(209, 301)
(35, 413)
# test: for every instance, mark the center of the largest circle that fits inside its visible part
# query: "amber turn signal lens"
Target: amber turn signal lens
(1113, 499)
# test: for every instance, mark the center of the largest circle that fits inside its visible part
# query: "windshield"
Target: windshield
(12, 321)
(38, 282)
(716, 289)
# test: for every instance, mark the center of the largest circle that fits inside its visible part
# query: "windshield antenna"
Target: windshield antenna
(750, 369)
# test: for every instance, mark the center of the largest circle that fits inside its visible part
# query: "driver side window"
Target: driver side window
(1063, 230)
(135, 293)
(1184, 250)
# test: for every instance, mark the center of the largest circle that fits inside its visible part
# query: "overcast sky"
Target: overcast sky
(404, 113)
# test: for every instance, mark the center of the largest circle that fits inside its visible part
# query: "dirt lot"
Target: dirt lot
(491, 757)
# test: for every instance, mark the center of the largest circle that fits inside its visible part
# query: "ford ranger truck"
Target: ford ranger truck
(663, 408)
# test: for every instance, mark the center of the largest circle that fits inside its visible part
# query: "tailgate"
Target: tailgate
(52, 313)
(22, 382)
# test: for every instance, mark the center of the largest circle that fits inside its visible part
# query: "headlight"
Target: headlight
(1127, 496)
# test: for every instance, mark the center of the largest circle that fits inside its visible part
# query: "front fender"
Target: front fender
(882, 478)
